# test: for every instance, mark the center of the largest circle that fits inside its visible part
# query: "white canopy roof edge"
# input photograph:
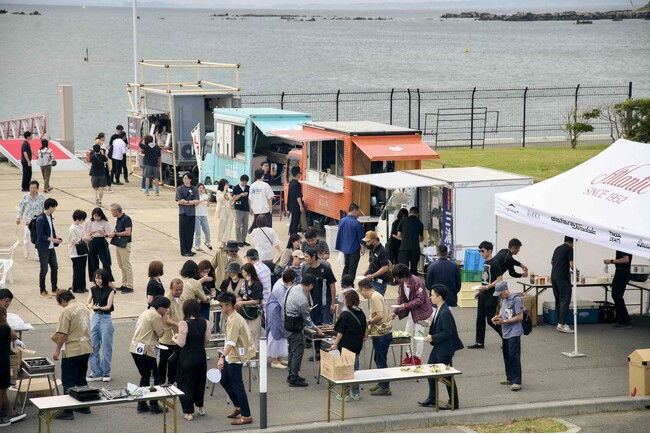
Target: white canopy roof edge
(396, 180)
(604, 201)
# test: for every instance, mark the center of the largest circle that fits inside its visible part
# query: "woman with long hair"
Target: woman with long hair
(394, 243)
(44, 159)
(206, 269)
(107, 150)
(224, 212)
(78, 236)
(201, 216)
(193, 334)
(294, 243)
(100, 300)
(98, 229)
(249, 302)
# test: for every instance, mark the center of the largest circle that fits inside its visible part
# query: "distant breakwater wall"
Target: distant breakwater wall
(643, 13)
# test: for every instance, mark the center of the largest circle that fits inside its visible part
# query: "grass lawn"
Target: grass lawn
(544, 425)
(539, 162)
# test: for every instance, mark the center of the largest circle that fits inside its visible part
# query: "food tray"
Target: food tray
(38, 365)
(84, 393)
(401, 340)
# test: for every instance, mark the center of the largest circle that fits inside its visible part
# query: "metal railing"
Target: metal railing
(13, 129)
(463, 117)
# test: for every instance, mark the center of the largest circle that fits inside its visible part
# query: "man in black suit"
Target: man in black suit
(443, 335)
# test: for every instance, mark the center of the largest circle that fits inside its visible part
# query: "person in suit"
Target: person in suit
(443, 335)
(46, 241)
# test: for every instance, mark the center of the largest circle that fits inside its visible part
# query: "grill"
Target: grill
(38, 365)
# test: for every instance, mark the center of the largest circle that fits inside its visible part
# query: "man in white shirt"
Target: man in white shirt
(260, 200)
(119, 151)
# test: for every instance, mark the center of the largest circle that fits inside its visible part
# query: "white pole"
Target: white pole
(263, 381)
(135, 55)
(574, 283)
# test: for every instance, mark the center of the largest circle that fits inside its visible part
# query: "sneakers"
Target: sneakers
(355, 397)
(143, 407)
(476, 346)
(91, 379)
(515, 387)
(106, 379)
(563, 328)
(417, 361)
(504, 382)
(4, 421)
(338, 397)
(381, 391)
(407, 361)
(198, 249)
(348, 398)
(373, 388)
(209, 246)
(44, 294)
(126, 290)
(297, 383)
(278, 365)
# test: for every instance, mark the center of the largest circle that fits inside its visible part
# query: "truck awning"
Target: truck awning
(303, 135)
(394, 148)
(266, 125)
(396, 180)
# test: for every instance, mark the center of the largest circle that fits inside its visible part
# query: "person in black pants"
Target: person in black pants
(77, 235)
(623, 263)
(295, 204)
(394, 243)
(148, 329)
(411, 232)
(26, 161)
(46, 241)
(193, 334)
(443, 336)
(187, 197)
(487, 303)
(561, 266)
(97, 227)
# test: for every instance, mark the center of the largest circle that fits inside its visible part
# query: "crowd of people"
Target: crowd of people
(271, 290)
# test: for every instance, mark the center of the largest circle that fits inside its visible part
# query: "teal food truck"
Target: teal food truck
(243, 138)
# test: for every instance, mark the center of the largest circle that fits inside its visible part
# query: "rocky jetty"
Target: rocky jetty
(618, 15)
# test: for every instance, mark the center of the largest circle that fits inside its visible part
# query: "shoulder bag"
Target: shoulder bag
(81, 248)
(119, 241)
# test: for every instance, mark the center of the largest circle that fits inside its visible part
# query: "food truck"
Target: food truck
(456, 204)
(331, 152)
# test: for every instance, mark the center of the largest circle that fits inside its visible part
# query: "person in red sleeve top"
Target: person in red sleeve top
(412, 299)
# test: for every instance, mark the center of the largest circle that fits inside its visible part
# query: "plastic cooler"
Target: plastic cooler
(473, 260)
(587, 312)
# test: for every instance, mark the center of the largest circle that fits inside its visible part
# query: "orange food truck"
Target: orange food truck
(330, 152)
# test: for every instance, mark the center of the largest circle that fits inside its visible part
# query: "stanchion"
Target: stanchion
(262, 363)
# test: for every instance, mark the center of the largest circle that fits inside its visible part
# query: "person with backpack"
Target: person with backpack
(46, 241)
(510, 319)
(31, 206)
(45, 160)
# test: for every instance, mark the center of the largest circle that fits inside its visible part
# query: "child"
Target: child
(297, 260)
(347, 284)
(509, 318)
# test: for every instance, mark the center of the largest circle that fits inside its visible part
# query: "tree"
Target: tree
(578, 123)
(634, 116)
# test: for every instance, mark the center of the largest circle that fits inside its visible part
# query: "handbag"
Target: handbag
(81, 248)
(291, 323)
(250, 312)
(119, 242)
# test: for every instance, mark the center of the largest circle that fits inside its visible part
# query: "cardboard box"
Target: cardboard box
(14, 372)
(530, 304)
(40, 388)
(15, 357)
(640, 372)
(587, 312)
(337, 366)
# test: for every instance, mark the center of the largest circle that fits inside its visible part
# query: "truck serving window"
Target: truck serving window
(327, 157)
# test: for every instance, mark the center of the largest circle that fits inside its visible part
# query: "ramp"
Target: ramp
(66, 160)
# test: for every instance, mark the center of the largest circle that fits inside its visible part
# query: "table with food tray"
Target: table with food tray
(50, 407)
(439, 372)
(326, 340)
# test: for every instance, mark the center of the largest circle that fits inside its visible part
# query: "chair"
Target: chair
(8, 252)
(6, 272)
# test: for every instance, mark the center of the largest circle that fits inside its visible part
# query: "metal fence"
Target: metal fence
(530, 116)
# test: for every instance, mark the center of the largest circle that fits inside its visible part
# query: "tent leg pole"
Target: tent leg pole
(574, 283)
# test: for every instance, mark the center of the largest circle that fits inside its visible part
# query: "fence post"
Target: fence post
(523, 128)
(282, 101)
(629, 91)
(419, 107)
(471, 124)
(338, 94)
(409, 94)
(391, 105)
(575, 104)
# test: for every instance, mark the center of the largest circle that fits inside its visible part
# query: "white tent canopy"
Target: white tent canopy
(604, 201)
(397, 180)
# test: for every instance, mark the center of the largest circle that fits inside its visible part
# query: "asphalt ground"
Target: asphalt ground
(548, 376)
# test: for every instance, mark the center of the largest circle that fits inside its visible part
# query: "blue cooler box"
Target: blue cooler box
(587, 312)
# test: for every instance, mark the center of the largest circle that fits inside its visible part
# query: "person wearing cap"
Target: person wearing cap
(443, 337)
(263, 273)
(378, 262)
(233, 281)
(222, 258)
(296, 264)
(509, 318)
(349, 240)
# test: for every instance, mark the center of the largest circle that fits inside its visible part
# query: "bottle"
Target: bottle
(532, 278)
(152, 381)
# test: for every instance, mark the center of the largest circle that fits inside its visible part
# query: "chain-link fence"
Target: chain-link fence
(531, 116)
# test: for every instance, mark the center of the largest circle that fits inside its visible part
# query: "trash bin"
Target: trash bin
(330, 237)
(640, 372)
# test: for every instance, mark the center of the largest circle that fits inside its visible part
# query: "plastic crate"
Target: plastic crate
(473, 260)
(470, 275)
